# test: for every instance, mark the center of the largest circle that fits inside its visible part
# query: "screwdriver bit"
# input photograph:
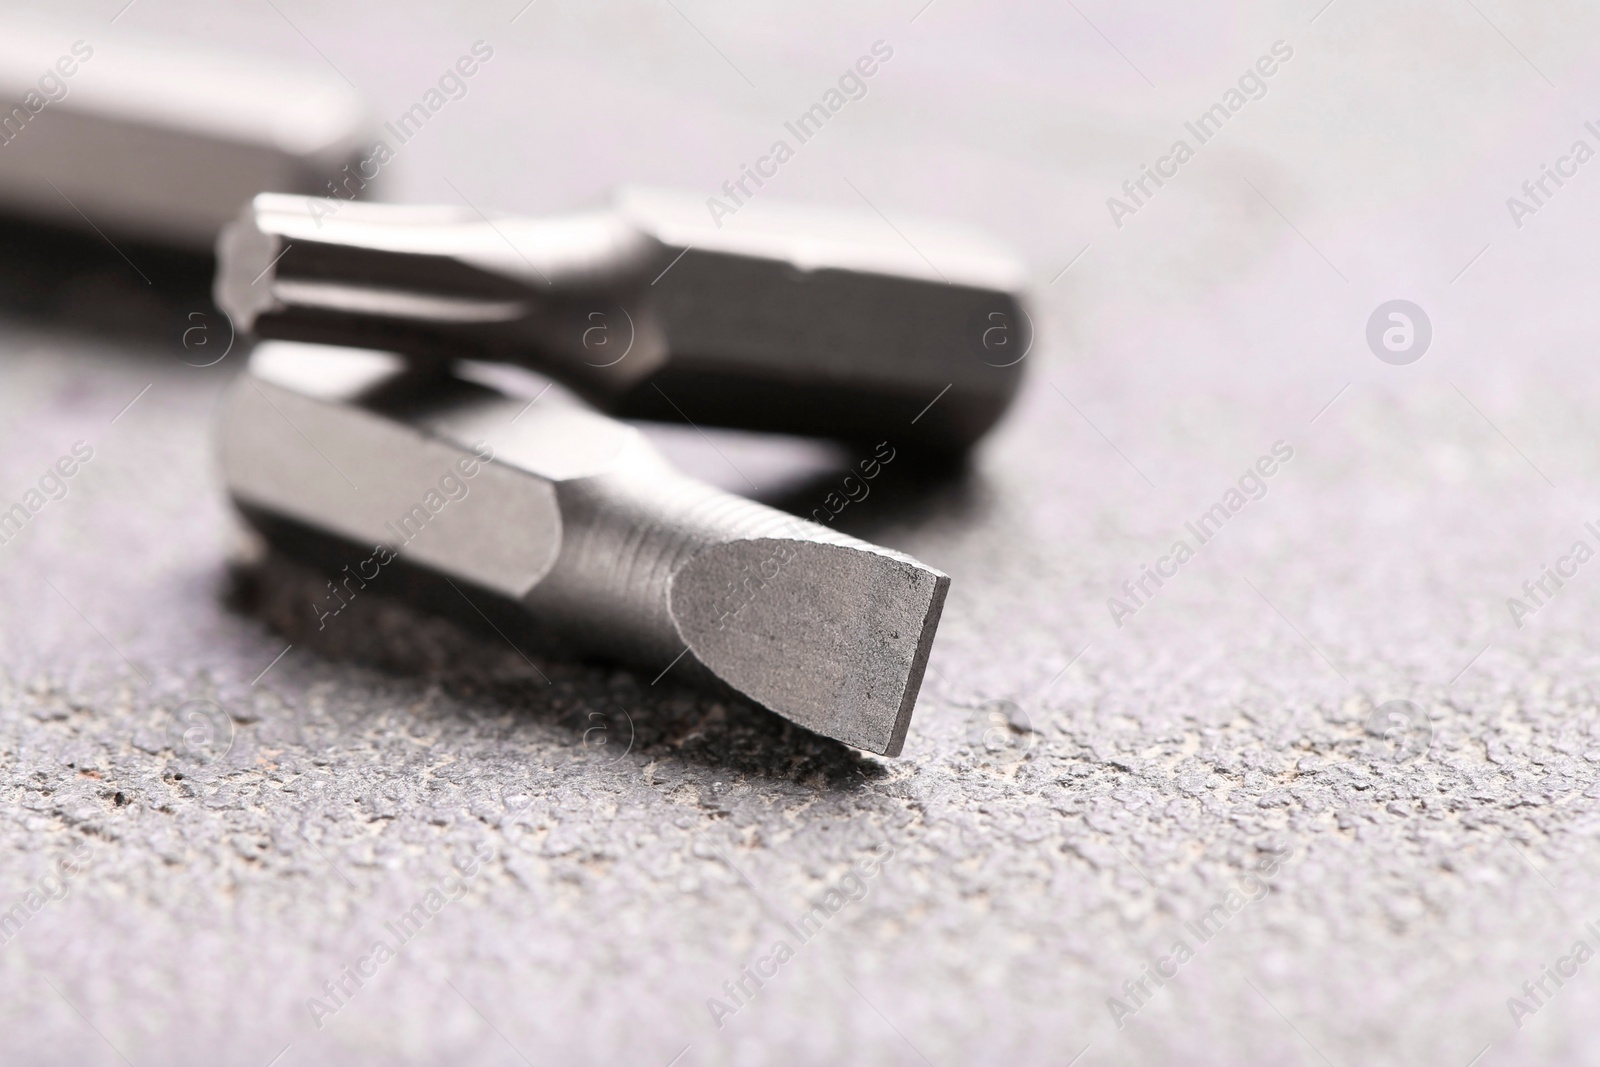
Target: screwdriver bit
(791, 319)
(562, 526)
(158, 140)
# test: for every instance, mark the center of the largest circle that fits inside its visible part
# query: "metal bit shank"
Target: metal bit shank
(580, 528)
(103, 128)
(784, 318)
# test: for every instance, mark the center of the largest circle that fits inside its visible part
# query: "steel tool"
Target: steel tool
(782, 318)
(102, 129)
(565, 527)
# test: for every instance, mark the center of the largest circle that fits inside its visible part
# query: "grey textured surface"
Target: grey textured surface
(1034, 870)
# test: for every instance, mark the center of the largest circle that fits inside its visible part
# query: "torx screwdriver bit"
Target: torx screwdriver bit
(569, 528)
(791, 319)
(159, 140)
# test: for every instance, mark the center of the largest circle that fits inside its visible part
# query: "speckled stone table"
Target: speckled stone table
(1136, 822)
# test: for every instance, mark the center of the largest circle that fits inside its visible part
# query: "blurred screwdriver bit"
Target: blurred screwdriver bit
(567, 528)
(784, 318)
(158, 140)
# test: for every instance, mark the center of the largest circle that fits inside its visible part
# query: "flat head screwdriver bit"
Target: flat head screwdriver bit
(791, 319)
(160, 140)
(564, 527)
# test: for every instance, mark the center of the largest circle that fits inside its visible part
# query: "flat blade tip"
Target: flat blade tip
(833, 636)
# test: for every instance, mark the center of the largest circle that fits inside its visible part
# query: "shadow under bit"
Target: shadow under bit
(867, 496)
(480, 662)
(84, 281)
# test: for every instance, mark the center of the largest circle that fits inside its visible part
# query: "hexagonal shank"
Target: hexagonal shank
(811, 325)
